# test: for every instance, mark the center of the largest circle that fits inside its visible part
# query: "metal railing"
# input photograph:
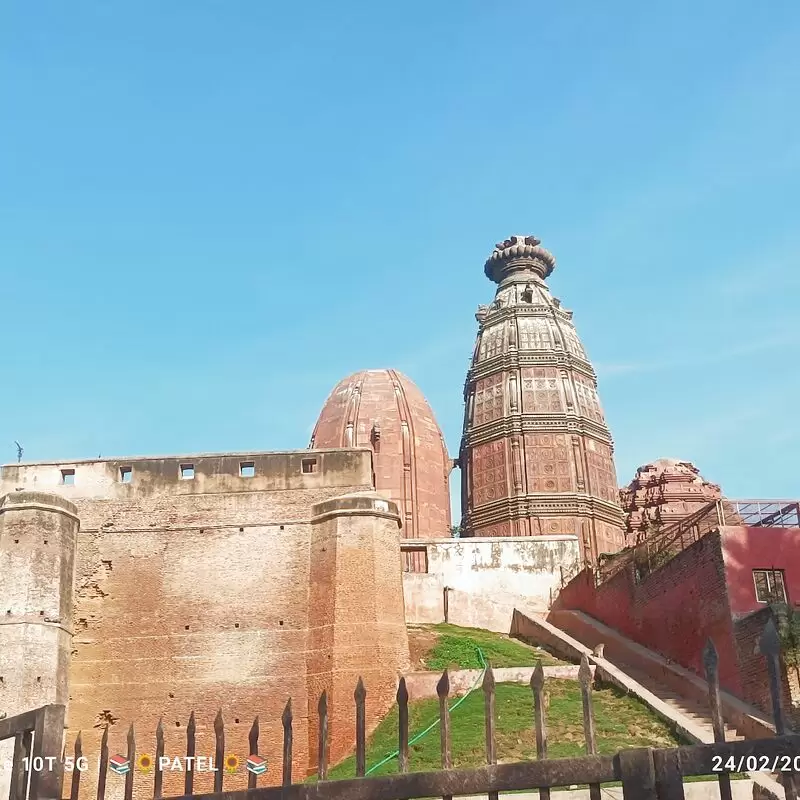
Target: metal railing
(36, 766)
(656, 549)
(765, 513)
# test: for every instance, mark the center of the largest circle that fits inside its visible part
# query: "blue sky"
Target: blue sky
(211, 212)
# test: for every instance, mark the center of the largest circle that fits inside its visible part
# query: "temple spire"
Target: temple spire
(536, 453)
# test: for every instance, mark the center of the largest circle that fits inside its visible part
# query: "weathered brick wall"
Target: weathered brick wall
(356, 616)
(753, 668)
(674, 611)
(752, 665)
(195, 595)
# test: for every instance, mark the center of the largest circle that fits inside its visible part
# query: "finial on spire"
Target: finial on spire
(516, 253)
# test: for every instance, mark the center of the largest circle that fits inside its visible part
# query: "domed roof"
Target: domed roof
(384, 410)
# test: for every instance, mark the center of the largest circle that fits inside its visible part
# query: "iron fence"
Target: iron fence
(645, 773)
(36, 766)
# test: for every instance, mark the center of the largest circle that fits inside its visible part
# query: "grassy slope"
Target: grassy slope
(621, 722)
(456, 648)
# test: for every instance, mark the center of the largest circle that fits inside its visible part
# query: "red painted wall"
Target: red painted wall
(746, 549)
(674, 611)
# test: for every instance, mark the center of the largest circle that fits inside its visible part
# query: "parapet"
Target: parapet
(43, 501)
(356, 504)
(127, 478)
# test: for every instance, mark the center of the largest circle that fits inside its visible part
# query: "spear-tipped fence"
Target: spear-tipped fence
(646, 774)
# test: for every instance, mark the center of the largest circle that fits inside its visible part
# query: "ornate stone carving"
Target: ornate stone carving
(482, 313)
(518, 250)
(662, 493)
(542, 461)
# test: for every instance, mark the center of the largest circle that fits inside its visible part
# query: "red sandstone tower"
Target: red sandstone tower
(384, 410)
(663, 493)
(536, 453)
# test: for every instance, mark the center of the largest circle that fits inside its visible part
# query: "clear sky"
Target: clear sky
(210, 212)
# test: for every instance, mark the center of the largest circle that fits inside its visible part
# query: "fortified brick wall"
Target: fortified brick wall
(193, 595)
(673, 611)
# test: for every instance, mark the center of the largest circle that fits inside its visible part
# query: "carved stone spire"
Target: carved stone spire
(536, 453)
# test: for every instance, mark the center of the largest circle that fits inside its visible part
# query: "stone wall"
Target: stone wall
(486, 578)
(201, 592)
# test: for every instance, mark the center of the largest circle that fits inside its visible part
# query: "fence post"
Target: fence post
(360, 697)
(402, 724)
(443, 690)
(539, 721)
(286, 719)
(488, 697)
(191, 744)
(770, 647)
(638, 774)
(585, 679)
(711, 666)
(48, 737)
(669, 781)
(219, 750)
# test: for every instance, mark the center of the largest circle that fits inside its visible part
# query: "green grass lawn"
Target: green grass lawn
(457, 648)
(621, 722)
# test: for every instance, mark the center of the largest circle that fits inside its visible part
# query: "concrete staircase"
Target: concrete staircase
(675, 694)
(699, 713)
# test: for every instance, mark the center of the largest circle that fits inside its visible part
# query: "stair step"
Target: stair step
(696, 711)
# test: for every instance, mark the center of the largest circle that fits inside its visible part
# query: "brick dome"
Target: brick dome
(384, 410)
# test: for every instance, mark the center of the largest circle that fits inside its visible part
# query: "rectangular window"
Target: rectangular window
(309, 465)
(68, 477)
(187, 472)
(770, 587)
(415, 559)
(125, 474)
(247, 469)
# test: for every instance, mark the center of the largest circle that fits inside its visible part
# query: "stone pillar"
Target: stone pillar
(38, 536)
(356, 614)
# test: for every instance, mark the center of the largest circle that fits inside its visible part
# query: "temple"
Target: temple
(143, 589)
(383, 410)
(536, 454)
(663, 492)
